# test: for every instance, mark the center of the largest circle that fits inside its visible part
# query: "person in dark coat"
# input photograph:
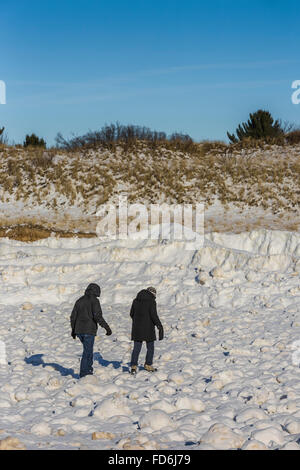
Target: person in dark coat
(85, 317)
(144, 320)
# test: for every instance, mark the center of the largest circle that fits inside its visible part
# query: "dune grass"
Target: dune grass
(246, 175)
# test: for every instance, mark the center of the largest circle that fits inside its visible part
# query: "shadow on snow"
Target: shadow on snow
(37, 360)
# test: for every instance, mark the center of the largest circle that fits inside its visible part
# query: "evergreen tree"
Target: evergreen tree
(34, 141)
(260, 125)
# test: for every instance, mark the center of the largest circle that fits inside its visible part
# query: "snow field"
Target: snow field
(227, 375)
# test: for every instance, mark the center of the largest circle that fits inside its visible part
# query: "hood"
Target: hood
(93, 289)
(145, 295)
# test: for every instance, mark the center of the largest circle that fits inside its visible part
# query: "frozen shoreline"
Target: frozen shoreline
(226, 379)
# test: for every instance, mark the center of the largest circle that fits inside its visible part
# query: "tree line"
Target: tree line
(260, 126)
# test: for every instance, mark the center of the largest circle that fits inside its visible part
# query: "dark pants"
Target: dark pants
(136, 352)
(86, 363)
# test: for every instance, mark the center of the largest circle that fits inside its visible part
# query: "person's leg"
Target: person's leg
(135, 353)
(82, 371)
(86, 364)
(90, 352)
(150, 353)
(80, 337)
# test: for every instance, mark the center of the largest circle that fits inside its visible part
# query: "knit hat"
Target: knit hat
(152, 290)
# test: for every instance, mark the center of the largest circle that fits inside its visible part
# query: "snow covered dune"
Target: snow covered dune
(228, 368)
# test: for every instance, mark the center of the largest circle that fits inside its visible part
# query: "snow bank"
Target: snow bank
(228, 366)
(220, 436)
(50, 270)
(112, 407)
(156, 420)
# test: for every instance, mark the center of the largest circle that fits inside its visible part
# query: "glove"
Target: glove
(73, 335)
(161, 334)
(108, 331)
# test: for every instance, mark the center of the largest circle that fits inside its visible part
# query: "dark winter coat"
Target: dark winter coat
(144, 318)
(87, 313)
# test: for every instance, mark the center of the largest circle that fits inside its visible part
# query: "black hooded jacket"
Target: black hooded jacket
(87, 313)
(144, 317)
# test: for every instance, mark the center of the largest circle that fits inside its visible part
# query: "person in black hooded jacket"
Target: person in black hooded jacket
(85, 317)
(144, 320)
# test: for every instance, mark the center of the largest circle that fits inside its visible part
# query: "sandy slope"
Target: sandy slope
(242, 188)
(228, 366)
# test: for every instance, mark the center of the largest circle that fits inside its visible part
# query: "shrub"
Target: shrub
(215, 146)
(117, 134)
(34, 141)
(293, 137)
(261, 125)
(181, 141)
(3, 139)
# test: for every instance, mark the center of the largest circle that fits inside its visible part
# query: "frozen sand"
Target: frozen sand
(227, 372)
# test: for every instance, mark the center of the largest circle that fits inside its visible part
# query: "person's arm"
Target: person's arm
(132, 310)
(156, 320)
(73, 318)
(97, 312)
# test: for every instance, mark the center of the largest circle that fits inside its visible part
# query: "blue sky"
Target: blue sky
(191, 66)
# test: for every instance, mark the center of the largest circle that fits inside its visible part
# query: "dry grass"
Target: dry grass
(246, 175)
(32, 233)
(244, 225)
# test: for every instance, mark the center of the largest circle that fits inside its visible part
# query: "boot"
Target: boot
(149, 368)
(133, 370)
